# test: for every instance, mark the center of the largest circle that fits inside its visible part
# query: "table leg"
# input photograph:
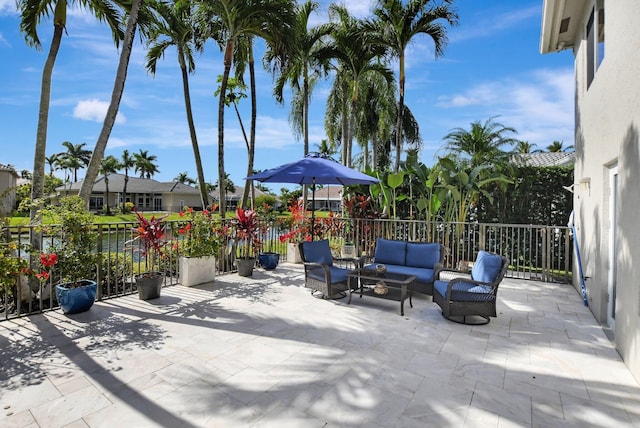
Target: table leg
(411, 293)
(403, 295)
(349, 286)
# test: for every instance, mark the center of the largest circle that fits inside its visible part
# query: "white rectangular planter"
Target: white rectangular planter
(293, 255)
(197, 270)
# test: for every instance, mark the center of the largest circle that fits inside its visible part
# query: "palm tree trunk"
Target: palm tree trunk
(106, 185)
(192, 131)
(222, 189)
(124, 190)
(374, 150)
(116, 96)
(37, 185)
(252, 142)
(305, 121)
(400, 112)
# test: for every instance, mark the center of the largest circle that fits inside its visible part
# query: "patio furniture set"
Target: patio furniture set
(398, 268)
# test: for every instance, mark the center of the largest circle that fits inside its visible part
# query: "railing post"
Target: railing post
(545, 260)
(567, 258)
(99, 263)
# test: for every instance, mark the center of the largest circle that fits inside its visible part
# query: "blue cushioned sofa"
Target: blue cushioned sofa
(410, 258)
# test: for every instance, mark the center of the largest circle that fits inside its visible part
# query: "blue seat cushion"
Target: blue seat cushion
(422, 255)
(422, 274)
(390, 252)
(487, 267)
(317, 252)
(464, 291)
(337, 274)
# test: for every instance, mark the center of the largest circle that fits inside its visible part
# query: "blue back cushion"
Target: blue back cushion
(422, 255)
(486, 267)
(390, 252)
(317, 252)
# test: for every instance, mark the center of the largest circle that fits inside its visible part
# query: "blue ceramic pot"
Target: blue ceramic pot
(268, 261)
(77, 299)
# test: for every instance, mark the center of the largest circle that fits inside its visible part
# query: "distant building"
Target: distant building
(234, 198)
(146, 194)
(8, 183)
(328, 198)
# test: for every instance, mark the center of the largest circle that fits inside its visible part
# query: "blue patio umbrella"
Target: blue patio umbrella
(313, 169)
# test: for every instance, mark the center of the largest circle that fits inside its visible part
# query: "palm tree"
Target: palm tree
(557, 146)
(31, 13)
(53, 161)
(116, 96)
(145, 164)
(175, 27)
(126, 162)
(109, 165)
(395, 26)
(77, 157)
(523, 147)
(184, 178)
(301, 68)
(375, 117)
(228, 21)
(356, 59)
(482, 144)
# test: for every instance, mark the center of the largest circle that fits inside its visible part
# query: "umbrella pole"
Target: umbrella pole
(313, 209)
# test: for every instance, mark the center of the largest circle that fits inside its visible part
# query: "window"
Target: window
(96, 203)
(595, 41)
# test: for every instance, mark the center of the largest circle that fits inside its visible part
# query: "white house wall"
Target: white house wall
(608, 134)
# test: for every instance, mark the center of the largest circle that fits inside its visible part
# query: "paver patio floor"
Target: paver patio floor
(261, 351)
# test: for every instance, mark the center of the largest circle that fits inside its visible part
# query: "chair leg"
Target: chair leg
(484, 319)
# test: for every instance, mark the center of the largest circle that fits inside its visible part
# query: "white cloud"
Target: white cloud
(358, 8)
(8, 7)
(472, 27)
(95, 110)
(4, 41)
(539, 105)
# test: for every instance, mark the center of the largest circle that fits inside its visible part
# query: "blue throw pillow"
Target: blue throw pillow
(422, 255)
(487, 267)
(318, 252)
(390, 252)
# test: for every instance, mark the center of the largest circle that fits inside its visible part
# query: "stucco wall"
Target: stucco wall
(608, 134)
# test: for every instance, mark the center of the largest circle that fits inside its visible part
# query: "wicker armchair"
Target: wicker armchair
(464, 298)
(320, 273)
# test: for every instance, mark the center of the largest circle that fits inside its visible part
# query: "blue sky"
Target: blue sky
(491, 67)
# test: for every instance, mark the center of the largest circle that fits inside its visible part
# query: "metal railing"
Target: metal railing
(535, 252)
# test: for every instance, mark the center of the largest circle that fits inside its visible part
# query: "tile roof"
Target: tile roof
(543, 159)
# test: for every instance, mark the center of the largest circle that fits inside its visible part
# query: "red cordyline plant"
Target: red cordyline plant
(151, 234)
(247, 229)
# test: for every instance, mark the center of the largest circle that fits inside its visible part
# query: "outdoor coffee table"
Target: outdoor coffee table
(399, 286)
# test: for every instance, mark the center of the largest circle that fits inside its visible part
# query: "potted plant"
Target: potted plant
(267, 259)
(299, 232)
(150, 237)
(199, 247)
(248, 243)
(73, 242)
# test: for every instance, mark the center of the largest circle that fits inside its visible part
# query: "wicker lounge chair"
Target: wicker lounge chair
(464, 298)
(320, 273)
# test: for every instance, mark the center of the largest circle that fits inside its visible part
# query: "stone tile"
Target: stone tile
(69, 408)
(262, 352)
